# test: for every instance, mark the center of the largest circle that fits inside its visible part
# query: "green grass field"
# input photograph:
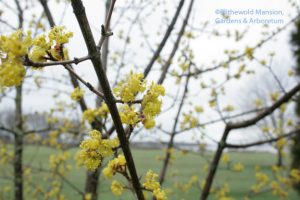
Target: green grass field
(184, 166)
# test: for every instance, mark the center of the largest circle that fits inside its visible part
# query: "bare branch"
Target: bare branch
(28, 62)
(164, 40)
(80, 14)
(240, 146)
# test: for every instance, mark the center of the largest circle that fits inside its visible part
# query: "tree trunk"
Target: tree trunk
(92, 183)
(279, 158)
(18, 146)
(18, 172)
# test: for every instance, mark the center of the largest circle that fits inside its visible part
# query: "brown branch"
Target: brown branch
(171, 141)
(240, 146)
(28, 62)
(131, 102)
(14, 132)
(87, 84)
(64, 179)
(48, 13)
(166, 66)
(231, 126)
(105, 28)
(20, 14)
(285, 98)
(92, 178)
(80, 14)
(18, 141)
(164, 40)
(7, 24)
(225, 118)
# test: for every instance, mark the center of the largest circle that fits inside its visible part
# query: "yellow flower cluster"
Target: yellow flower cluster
(199, 109)
(94, 149)
(116, 188)
(262, 180)
(151, 104)
(88, 196)
(41, 46)
(225, 159)
(129, 115)
(238, 167)
(128, 90)
(5, 155)
(58, 163)
(152, 184)
(52, 139)
(186, 187)
(281, 143)
(274, 96)
(228, 108)
(222, 193)
(295, 175)
(91, 114)
(59, 35)
(249, 53)
(278, 190)
(16, 46)
(12, 48)
(116, 165)
(77, 94)
(55, 191)
(51, 45)
(189, 121)
(258, 103)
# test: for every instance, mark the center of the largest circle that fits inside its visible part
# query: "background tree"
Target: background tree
(296, 145)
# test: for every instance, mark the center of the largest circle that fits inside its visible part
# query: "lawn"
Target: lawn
(182, 168)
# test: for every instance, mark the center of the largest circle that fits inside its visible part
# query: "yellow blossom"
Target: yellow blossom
(149, 123)
(91, 114)
(151, 105)
(249, 53)
(278, 190)
(189, 121)
(274, 96)
(94, 149)
(159, 194)
(228, 108)
(77, 94)
(59, 35)
(152, 184)
(40, 48)
(290, 73)
(295, 175)
(238, 167)
(258, 103)
(12, 50)
(129, 115)
(199, 109)
(225, 159)
(11, 74)
(261, 177)
(88, 196)
(127, 90)
(150, 181)
(116, 165)
(281, 143)
(116, 188)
